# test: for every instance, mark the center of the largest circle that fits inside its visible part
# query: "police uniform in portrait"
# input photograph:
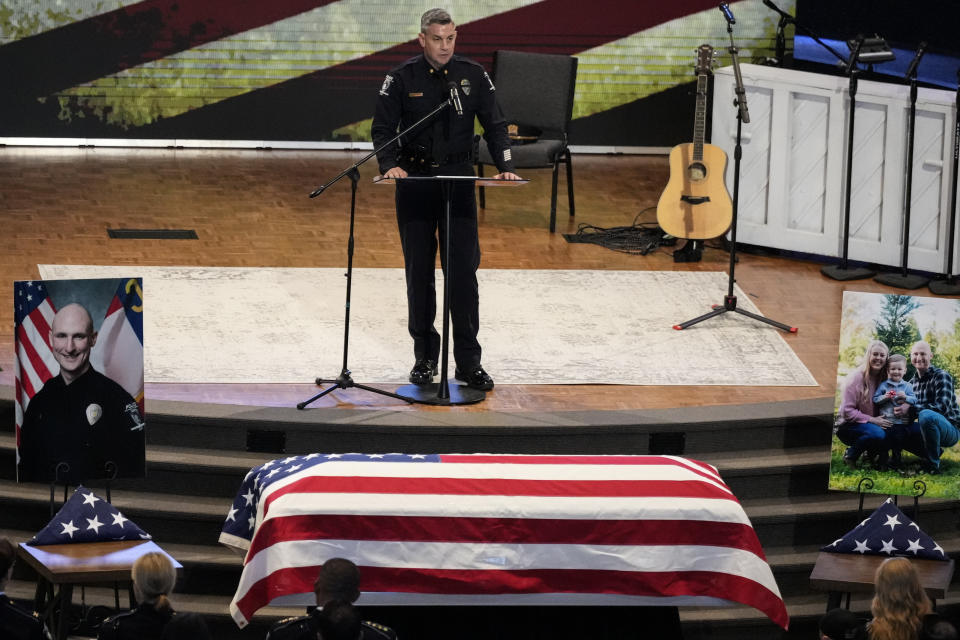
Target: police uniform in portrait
(444, 146)
(18, 624)
(86, 423)
(308, 627)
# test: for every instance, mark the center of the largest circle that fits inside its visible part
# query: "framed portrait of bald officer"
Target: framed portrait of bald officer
(79, 379)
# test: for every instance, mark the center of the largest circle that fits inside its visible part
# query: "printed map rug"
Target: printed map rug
(285, 325)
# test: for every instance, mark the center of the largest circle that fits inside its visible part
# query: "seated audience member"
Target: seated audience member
(841, 624)
(937, 628)
(338, 580)
(899, 602)
(153, 579)
(186, 626)
(15, 623)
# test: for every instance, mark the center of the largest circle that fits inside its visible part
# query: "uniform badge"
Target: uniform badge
(94, 413)
(465, 86)
(385, 87)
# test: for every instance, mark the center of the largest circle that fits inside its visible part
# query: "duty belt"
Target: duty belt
(454, 158)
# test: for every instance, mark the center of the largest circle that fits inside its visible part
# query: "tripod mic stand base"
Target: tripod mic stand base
(430, 394)
(345, 381)
(902, 281)
(947, 287)
(838, 272)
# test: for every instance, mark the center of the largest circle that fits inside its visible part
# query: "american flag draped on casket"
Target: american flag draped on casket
(498, 529)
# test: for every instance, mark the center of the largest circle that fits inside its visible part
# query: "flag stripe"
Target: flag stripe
(507, 487)
(693, 509)
(502, 530)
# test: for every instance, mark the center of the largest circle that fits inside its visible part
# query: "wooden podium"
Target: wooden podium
(443, 393)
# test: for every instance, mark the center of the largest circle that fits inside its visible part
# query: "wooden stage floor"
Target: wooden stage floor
(250, 208)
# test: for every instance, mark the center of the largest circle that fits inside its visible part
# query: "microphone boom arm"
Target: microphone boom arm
(440, 107)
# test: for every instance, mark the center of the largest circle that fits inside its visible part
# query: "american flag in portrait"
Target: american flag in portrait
(33, 361)
(495, 529)
(888, 532)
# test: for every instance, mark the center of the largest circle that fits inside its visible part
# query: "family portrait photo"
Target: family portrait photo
(896, 413)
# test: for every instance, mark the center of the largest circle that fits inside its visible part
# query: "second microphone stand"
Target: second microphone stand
(948, 285)
(345, 379)
(904, 279)
(730, 300)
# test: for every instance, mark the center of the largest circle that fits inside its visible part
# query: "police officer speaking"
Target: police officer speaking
(441, 147)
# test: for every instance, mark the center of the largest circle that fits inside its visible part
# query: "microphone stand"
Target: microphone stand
(730, 300)
(904, 280)
(345, 380)
(948, 285)
(785, 19)
(843, 271)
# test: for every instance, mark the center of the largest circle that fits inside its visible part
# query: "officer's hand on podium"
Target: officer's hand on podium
(507, 175)
(395, 172)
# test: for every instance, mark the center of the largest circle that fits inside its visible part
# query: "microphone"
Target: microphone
(916, 60)
(783, 15)
(455, 97)
(725, 9)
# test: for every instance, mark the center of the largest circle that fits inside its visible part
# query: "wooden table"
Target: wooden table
(839, 573)
(84, 563)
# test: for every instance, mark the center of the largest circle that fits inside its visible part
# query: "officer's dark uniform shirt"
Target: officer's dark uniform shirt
(17, 624)
(307, 628)
(142, 623)
(413, 90)
(85, 423)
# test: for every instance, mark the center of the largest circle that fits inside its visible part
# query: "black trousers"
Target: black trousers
(422, 224)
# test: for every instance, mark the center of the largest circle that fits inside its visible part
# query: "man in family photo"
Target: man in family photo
(936, 411)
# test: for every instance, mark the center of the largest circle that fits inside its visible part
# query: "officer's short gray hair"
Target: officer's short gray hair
(434, 16)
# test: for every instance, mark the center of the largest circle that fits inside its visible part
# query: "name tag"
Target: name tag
(416, 94)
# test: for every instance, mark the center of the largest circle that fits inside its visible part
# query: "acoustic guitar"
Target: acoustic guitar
(695, 204)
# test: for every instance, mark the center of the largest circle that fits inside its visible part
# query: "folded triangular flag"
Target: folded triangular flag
(887, 532)
(86, 517)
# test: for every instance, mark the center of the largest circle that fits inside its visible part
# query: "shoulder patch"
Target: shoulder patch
(133, 411)
(385, 87)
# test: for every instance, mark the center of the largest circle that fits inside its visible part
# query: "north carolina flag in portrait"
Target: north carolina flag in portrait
(33, 361)
(498, 529)
(888, 532)
(118, 353)
(86, 517)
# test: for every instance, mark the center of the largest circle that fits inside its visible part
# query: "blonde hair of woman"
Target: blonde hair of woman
(153, 579)
(899, 602)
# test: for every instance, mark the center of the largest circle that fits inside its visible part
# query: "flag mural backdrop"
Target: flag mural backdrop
(302, 70)
(498, 529)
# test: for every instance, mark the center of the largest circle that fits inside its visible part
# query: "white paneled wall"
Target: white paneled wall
(793, 167)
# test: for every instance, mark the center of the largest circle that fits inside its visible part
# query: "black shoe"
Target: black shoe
(423, 371)
(477, 378)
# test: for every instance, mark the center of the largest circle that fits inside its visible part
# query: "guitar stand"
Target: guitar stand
(730, 300)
